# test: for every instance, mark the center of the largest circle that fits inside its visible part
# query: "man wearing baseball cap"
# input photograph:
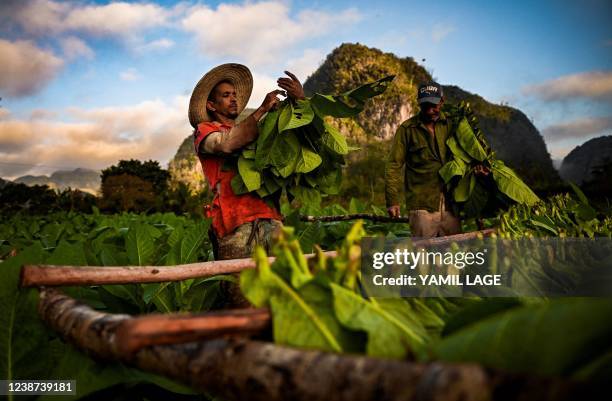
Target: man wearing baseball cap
(239, 222)
(419, 145)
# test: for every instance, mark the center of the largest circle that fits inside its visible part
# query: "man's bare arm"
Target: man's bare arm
(228, 141)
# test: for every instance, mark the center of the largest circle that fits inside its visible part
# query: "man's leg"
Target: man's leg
(449, 223)
(240, 244)
(424, 224)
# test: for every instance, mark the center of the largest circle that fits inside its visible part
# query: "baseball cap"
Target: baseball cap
(429, 93)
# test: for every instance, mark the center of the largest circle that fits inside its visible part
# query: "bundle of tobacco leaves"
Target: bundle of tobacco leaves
(297, 151)
(473, 195)
(317, 303)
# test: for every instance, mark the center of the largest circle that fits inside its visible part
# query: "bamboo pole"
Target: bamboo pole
(240, 369)
(50, 275)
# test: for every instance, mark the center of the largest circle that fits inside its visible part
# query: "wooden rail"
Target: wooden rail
(50, 275)
(158, 329)
(356, 216)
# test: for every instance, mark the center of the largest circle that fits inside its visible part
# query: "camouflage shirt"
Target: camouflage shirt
(422, 155)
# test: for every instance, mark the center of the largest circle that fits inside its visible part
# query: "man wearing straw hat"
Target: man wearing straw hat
(238, 221)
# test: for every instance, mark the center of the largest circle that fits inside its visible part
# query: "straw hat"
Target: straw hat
(238, 74)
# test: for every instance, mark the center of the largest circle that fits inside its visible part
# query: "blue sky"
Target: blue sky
(100, 81)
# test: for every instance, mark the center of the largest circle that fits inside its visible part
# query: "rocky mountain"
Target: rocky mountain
(84, 179)
(583, 161)
(509, 131)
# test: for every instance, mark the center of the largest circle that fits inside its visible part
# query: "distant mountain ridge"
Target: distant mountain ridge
(80, 178)
(579, 164)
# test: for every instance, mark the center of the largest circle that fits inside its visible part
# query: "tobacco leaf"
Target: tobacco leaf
(548, 338)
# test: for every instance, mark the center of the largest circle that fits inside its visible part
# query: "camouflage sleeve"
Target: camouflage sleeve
(393, 168)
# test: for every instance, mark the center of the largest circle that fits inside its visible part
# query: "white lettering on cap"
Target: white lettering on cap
(428, 89)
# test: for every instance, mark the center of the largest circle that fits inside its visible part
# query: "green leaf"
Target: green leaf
(23, 336)
(479, 310)
(463, 189)
(392, 333)
(334, 140)
(295, 116)
(284, 153)
(369, 90)
(329, 181)
(296, 321)
(250, 176)
(126, 292)
(268, 134)
(307, 161)
(581, 196)
(551, 338)
(248, 154)
(311, 321)
(468, 141)
(457, 151)
(139, 245)
(349, 103)
(356, 206)
(92, 376)
(453, 168)
(267, 126)
(107, 256)
(478, 200)
(511, 185)
(68, 254)
(309, 236)
(307, 196)
(192, 242)
(538, 222)
(203, 293)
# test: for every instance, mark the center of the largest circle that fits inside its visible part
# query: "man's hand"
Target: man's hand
(292, 85)
(481, 170)
(270, 102)
(394, 211)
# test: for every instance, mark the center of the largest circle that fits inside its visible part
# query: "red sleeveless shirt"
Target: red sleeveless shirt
(228, 210)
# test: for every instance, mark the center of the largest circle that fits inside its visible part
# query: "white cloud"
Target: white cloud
(114, 19)
(305, 65)
(42, 16)
(25, 68)
(593, 85)
(74, 48)
(576, 129)
(97, 138)
(259, 32)
(440, 31)
(129, 75)
(159, 44)
(262, 85)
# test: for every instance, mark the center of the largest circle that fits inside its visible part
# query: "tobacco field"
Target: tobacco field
(315, 304)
